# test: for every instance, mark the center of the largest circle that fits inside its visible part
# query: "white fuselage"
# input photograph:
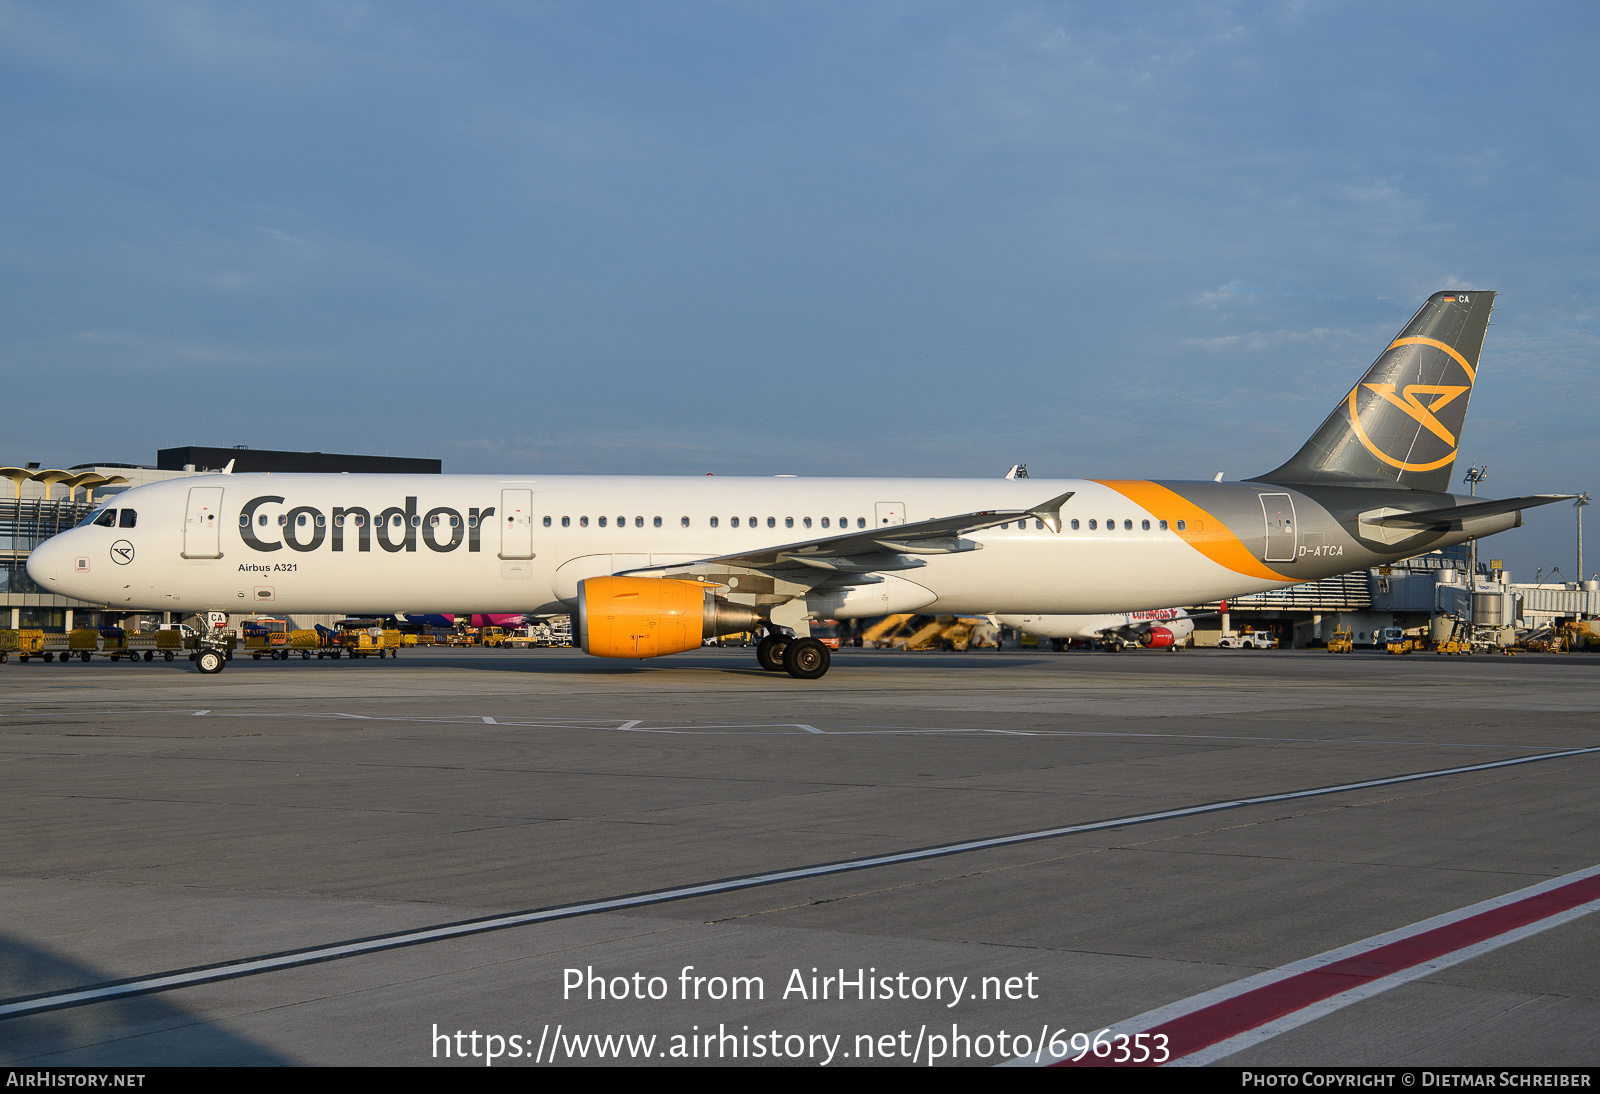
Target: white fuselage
(462, 543)
(1173, 620)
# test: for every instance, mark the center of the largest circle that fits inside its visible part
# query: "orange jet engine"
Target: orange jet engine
(653, 616)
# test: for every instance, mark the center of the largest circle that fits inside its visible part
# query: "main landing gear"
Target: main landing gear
(802, 658)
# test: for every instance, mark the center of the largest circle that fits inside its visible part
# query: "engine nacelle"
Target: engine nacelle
(1157, 638)
(639, 617)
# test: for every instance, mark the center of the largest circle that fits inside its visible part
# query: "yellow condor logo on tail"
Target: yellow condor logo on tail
(1409, 401)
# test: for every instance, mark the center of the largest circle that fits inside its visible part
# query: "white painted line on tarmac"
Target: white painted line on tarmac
(716, 729)
(12, 1008)
(488, 721)
(200, 712)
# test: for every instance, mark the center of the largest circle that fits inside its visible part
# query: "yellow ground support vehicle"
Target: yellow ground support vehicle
(269, 636)
(81, 643)
(492, 636)
(1341, 642)
(366, 638)
(23, 643)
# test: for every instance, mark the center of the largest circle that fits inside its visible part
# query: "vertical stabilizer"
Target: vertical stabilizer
(1402, 422)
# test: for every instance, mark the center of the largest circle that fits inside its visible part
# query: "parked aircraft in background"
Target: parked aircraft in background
(1161, 629)
(652, 566)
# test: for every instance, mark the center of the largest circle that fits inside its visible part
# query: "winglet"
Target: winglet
(1050, 511)
(229, 469)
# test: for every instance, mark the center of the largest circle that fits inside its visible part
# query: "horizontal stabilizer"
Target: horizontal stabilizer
(1443, 518)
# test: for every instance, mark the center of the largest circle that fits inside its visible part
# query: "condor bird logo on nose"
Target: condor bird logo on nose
(122, 552)
(1419, 428)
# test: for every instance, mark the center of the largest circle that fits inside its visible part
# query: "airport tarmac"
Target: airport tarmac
(157, 820)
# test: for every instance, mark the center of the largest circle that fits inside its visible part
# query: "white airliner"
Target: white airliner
(1161, 629)
(652, 566)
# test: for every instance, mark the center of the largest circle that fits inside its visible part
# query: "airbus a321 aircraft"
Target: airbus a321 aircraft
(1161, 629)
(652, 566)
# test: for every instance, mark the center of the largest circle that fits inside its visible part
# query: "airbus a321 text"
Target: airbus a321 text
(651, 566)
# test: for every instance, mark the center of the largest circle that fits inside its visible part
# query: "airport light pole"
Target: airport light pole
(1578, 504)
(1474, 476)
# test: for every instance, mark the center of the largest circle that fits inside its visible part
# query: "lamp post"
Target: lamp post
(1474, 476)
(1578, 504)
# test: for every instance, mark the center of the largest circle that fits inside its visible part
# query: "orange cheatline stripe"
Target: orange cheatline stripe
(1203, 531)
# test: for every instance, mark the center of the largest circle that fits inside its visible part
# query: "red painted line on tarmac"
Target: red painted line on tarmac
(1190, 1033)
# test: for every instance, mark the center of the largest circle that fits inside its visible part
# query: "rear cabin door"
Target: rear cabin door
(202, 523)
(1283, 538)
(516, 523)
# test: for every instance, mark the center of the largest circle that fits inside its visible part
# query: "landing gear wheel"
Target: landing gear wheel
(806, 659)
(209, 662)
(769, 652)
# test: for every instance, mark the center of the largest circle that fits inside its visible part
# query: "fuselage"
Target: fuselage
(462, 543)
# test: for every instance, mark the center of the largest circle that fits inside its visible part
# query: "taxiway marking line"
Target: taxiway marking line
(230, 970)
(690, 728)
(1223, 1021)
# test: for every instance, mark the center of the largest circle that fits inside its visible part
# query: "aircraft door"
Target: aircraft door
(516, 524)
(1283, 538)
(891, 512)
(202, 523)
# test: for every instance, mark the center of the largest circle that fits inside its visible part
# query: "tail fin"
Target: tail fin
(1402, 423)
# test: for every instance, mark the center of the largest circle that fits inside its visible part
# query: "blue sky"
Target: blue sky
(821, 238)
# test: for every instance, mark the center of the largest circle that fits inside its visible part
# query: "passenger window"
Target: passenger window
(1127, 526)
(361, 520)
(283, 520)
(583, 522)
(262, 520)
(824, 522)
(547, 522)
(1163, 526)
(861, 522)
(713, 522)
(398, 521)
(752, 522)
(1074, 524)
(638, 522)
(788, 522)
(300, 521)
(622, 522)
(321, 520)
(772, 522)
(127, 518)
(684, 521)
(1111, 525)
(338, 521)
(734, 522)
(602, 522)
(566, 522)
(1093, 526)
(1180, 526)
(806, 521)
(1144, 524)
(658, 522)
(1038, 525)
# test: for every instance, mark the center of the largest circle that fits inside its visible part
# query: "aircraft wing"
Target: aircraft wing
(886, 548)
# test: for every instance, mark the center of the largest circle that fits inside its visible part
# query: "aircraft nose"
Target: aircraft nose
(49, 563)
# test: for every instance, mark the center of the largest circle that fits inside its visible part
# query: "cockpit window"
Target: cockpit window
(107, 519)
(128, 518)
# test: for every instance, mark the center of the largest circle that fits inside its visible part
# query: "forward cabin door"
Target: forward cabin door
(202, 523)
(1283, 538)
(891, 512)
(516, 523)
